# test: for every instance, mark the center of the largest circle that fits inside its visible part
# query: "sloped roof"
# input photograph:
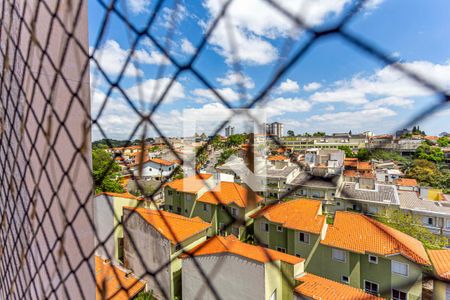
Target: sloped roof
(191, 184)
(231, 244)
(316, 287)
(173, 227)
(113, 283)
(441, 262)
(406, 182)
(300, 214)
(160, 161)
(120, 195)
(277, 158)
(363, 165)
(229, 192)
(361, 234)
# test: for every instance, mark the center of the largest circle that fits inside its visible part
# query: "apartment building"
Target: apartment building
(154, 240)
(226, 205)
(334, 141)
(238, 270)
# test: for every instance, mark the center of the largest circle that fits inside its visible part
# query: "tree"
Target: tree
(236, 140)
(225, 155)
(216, 142)
(428, 152)
(363, 154)
(443, 141)
(290, 133)
(411, 225)
(319, 133)
(348, 151)
(104, 172)
(145, 296)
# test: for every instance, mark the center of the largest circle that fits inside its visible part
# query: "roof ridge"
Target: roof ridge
(166, 214)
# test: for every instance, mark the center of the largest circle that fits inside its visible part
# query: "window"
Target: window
(373, 210)
(298, 255)
(265, 227)
(448, 224)
(338, 255)
(303, 237)
(427, 221)
(371, 287)
(170, 192)
(345, 279)
(338, 203)
(399, 295)
(205, 207)
(179, 210)
(177, 247)
(234, 212)
(170, 207)
(399, 268)
(279, 228)
(185, 211)
(281, 249)
(223, 207)
(373, 259)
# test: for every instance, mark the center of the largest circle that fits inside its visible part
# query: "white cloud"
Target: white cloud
(372, 4)
(151, 58)
(387, 82)
(288, 86)
(138, 6)
(227, 93)
(354, 118)
(390, 101)
(187, 47)
(111, 58)
(312, 86)
(251, 30)
(281, 105)
(152, 90)
(233, 78)
(329, 108)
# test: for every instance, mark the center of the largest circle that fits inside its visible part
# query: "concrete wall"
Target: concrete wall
(154, 250)
(37, 199)
(104, 224)
(233, 277)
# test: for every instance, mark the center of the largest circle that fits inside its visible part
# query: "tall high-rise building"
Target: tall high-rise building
(275, 128)
(229, 130)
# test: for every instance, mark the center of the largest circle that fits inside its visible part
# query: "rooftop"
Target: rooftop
(406, 182)
(230, 244)
(316, 287)
(115, 281)
(441, 262)
(277, 158)
(382, 193)
(230, 192)
(361, 234)
(284, 172)
(191, 184)
(300, 214)
(304, 179)
(173, 227)
(120, 195)
(410, 201)
(160, 161)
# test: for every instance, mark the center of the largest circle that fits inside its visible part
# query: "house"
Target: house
(153, 240)
(364, 194)
(324, 162)
(154, 169)
(114, 282)
(313, 187)
(315, 287)
(278, 177)
(226, 205)
(387, 175)
(441, 270)
(407, 184)
(294, 227)
(108, 221)
(435, 215)
(369, 255)
(237, 270)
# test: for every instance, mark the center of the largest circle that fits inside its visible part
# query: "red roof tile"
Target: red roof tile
(441, 262)
(230, 192)
(191, 184)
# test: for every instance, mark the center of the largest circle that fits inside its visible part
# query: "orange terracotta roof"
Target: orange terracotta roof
(173, 227)
(120, 195)
(441, 262)
(382, 136)
(281, 150)
(361, 234)
(113, 283)
(363, 165)
(316, 287)
(351, 173)
(350, 162)
(231, 244)
(431, 137)
(159, 161)
(277, 158)
(300, 214)
(406, 182)
(190, 185)
(229, 192)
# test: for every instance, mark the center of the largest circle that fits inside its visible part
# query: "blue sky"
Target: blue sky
(334, 87)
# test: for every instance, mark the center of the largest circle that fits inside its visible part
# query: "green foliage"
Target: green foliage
(443, 141)
(388, 155)
(114, 143)
(363, 154)
(216, 142)
(225, 155)
(179, 173)
(348, 151)
(319, 133)
(290, 133)
(411, 225)
(201, 156)
(428, 152)
(236, 140)
(154, 149)
(104, 172)
(145, 296)
(428, 174)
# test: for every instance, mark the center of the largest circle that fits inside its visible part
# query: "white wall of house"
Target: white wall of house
(232, 276)
(152, 170)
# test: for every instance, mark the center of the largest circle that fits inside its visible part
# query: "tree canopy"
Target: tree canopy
(428, 152)
(104, 172)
